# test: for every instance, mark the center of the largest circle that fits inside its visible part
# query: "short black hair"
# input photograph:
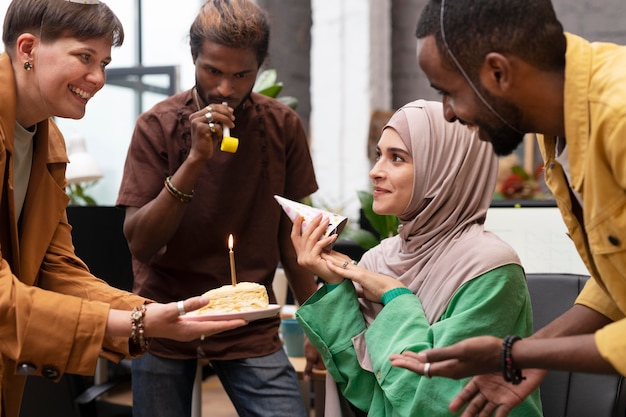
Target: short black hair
(528, 29)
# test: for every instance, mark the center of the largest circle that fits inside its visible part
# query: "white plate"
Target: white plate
(270, 311)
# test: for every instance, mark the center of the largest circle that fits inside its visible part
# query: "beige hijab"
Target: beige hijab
(441, 242)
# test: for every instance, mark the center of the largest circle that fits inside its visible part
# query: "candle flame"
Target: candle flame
(230, 242)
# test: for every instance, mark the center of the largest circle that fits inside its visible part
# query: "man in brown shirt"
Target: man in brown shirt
(184, 197)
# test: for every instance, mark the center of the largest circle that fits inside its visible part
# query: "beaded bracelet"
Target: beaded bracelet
(137, 328)
(176, 193)
(509, 373)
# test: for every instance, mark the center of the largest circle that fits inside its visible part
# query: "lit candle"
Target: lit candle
(231, 254)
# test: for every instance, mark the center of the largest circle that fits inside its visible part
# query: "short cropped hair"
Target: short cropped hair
(528, 29)
(236, 24)
(55, 19)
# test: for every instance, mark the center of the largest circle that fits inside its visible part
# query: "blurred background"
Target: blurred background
(344, 60)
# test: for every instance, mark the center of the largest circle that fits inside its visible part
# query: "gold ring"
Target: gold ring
(212, 127)
(208, 108)
(209, 115)
(202, 337)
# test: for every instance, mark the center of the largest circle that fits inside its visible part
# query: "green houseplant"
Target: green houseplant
(267, 84)
(78, 196)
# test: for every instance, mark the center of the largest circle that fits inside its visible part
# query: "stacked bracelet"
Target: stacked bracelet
(137, 328)
(509, 373)
(177, 194)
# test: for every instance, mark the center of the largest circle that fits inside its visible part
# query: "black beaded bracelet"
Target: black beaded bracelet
(510, 374)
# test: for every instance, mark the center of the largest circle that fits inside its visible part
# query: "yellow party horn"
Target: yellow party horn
(229, 143)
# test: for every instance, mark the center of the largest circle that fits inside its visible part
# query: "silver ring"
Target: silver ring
(202, 337)
(345, 264)
(181, 308)
(427, 369)
(353, 262)
(209, 115)
(212, 127)
(208, 108)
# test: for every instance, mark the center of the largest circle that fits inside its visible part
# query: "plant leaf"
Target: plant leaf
(289, 101)
(272, 90)
(264, 80)
(385, 225)
(89, 201)
(363, 238)
(518, 170)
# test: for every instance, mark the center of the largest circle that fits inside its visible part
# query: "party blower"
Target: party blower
(293, 209)
(229, 143)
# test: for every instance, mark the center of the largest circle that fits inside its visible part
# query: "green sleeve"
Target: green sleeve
(496, 303)
(330, 320)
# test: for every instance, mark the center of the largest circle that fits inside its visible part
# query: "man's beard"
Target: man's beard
(207, 98)
(504, 140)
(503, 137)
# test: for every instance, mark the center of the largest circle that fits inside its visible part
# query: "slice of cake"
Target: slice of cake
(245, 296)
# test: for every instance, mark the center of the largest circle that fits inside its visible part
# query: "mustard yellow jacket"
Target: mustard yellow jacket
(595, 132)
(53, 311)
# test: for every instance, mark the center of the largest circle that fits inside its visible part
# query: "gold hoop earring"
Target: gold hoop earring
(28, 66)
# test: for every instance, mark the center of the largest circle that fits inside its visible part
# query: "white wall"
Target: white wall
(539, 236)
(350, 76)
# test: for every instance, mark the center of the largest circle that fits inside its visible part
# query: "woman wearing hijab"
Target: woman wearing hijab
(442, 279)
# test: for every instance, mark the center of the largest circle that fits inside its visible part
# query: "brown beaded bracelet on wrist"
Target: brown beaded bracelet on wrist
(176, 193)
(510, 374)
(137, 334)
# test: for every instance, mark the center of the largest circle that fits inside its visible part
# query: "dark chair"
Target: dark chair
(571, 394)
(72, 396)
(100, 243)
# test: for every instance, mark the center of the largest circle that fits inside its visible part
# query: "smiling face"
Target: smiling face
(225, 74)
(460, 101)
(66, 74)
(392, 175)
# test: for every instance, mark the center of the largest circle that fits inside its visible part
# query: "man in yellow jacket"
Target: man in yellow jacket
(507, 75)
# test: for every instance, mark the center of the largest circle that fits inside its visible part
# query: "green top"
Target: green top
(496, 303)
